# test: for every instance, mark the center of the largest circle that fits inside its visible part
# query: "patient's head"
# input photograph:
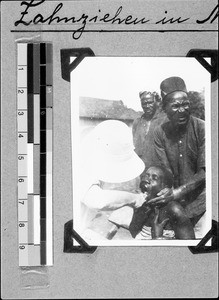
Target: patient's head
(155, 179)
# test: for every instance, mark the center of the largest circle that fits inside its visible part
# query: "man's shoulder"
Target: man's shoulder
(137, 119)
(159, 117)
(197, 121)
(198, 127)
(136, 122)
(161, 128)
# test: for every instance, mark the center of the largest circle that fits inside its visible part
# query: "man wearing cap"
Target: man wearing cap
(144, 126)
(180, 147)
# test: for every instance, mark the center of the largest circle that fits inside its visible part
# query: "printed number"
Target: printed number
(21, 202)
(20, 180)
(21, 224)
(20, 157)
(20, 69)
(20, 135)
(20, 113)
(20, 91)
(22, 247)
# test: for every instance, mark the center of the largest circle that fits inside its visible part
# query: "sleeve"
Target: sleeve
(160, 156)
(134, 126)
(134, 131)
(86, 185)
(201, 147)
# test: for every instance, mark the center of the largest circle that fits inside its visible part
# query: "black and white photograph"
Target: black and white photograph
(141, 151)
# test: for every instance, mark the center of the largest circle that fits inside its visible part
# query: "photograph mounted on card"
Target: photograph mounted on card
(141, 150)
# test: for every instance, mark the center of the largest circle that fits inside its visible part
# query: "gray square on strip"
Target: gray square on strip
(34, 255)
(36, 169)
(22, 165)
(48, 118)
(49, 96)
(22, 188)
(22, 77)
(22, 120)
(23, 232)
(22, 209)
(22, 98)
(23, 255)
(22, 143)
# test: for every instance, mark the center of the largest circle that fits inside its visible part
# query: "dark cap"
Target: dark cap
(172, 84)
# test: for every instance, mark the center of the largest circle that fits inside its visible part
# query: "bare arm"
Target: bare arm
(100, 199)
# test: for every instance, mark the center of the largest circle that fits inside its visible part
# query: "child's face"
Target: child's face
(154, 181)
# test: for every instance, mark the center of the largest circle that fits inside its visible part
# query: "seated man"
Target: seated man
(114, 169)
(148, 221)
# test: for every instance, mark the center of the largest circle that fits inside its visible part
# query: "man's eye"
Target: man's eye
(186, 104)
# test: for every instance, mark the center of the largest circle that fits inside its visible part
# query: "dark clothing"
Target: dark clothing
(183, 153)
(143, 136)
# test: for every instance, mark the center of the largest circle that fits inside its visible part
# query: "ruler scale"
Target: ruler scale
(34, 79)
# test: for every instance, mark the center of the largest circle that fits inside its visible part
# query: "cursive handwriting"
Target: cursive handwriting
(84, 19)
(213, 14)
(171, 20)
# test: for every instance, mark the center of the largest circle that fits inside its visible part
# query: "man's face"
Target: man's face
(178, 108)
(154, 181)
(148, 104)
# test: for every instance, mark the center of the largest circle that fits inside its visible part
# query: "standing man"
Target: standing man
(180, 147)
(143, 127)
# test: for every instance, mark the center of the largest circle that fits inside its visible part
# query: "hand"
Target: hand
(157, 228)
(139, 200)
(164, 196)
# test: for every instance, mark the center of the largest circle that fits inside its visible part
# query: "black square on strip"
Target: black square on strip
(42, 163)
(42, 252)
(43, 230)
(42, 141)
(42, 75)
(30, 121)
(42, 186)
(42, 96)
(30, 68)
(42, 207)
(42, 53)
(43, 119)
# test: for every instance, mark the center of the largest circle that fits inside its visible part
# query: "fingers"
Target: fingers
(163, 191)
(156, 200)
(164, 222)
(156, 216)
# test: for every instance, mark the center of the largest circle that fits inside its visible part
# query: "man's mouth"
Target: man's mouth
(147, 109)
(147, 186)
(182, 119)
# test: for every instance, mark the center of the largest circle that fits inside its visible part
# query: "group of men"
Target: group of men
(149, 183)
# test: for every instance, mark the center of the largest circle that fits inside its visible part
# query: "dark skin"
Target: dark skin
(157, 227)
(177, 109)
(172, 211)
(148, 104)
